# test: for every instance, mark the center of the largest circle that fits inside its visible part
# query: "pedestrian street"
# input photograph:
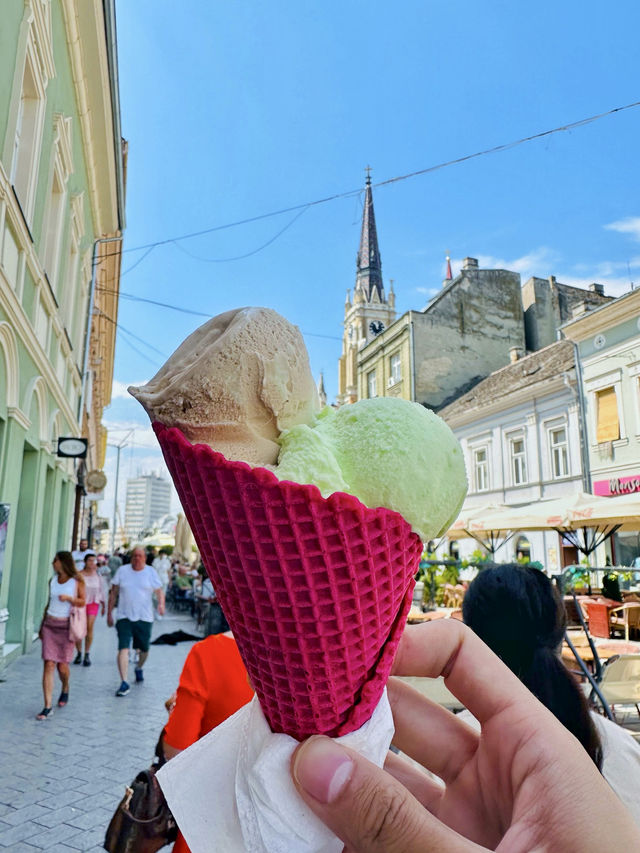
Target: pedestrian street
(61, 779)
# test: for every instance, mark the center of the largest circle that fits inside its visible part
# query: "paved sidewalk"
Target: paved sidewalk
(61, 779)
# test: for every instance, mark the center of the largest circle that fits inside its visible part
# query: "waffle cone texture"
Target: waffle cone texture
(316, 590)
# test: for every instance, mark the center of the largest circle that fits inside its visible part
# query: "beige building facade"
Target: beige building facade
(478, 322)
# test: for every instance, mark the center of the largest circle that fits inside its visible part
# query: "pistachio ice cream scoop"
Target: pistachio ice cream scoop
(387, 452)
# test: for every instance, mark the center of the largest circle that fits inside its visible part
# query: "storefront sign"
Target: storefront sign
(617, 486)
(72, 447)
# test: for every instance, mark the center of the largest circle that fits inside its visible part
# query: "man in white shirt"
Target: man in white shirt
(162, 565)
(80, 553)
(133, 587)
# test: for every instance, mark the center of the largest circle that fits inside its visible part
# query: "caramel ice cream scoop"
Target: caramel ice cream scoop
(235, 384)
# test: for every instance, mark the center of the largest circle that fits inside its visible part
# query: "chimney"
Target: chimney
(470, 264)
(515, 353)
(597, 288)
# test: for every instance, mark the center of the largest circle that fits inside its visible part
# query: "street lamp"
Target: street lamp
(118, 448)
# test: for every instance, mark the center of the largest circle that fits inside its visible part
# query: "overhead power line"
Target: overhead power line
(247, 254)
(195, 313)
(350, 193)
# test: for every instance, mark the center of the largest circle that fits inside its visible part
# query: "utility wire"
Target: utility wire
(133, 266)
(195, 313)
(140, 352)
(350, 193)
(237, 257)
(133, 335)
(135, 298)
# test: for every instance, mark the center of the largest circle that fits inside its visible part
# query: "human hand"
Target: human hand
(102, 610)
(171, 702)
(65, 598)
(523, 783)
(161, 608)
(110, 620)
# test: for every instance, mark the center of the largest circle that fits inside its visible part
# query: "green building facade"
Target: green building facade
(61, 200)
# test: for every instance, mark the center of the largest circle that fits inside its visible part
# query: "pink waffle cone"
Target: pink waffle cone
(316, 590)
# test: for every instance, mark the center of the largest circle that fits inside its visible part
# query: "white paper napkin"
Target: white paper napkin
(232, 789)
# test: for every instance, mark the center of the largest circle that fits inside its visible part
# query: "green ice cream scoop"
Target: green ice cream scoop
(387, 452)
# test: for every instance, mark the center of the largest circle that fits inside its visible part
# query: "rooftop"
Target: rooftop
(530, 370)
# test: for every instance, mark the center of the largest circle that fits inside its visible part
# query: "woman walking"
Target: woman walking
(95, 598)
(66, 590)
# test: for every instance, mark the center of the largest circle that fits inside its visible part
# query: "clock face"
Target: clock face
(96, 481)
(76, 447)
(376, 327)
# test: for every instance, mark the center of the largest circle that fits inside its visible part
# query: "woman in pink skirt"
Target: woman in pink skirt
(95, 598)
(66, 590)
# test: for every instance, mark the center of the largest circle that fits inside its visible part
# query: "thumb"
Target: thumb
(365, 807)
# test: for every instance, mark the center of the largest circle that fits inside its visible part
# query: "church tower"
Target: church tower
(369, 312)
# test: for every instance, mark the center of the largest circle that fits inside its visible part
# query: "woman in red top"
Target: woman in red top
(213, 685)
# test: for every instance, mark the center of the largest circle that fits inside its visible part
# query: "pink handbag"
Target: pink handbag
(77, 622)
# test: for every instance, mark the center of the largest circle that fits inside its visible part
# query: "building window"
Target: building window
(559, 452)
(62, 168)
(54, 230)
(518, 461)
(608, 423)
(371, 384)
(27, 138)
(395, 367)
(481, 469)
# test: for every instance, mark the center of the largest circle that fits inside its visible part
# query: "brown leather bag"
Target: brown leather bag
(142, 823)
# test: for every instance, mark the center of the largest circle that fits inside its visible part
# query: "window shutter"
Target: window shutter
(608, 424)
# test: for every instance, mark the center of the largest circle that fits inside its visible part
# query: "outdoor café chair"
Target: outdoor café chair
(620, 682)
(625, 618)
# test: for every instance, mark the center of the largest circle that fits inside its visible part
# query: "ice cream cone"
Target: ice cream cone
(316, 590)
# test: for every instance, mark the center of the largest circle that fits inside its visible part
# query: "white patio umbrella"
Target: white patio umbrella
(583, 520)
(157, 540)
(473, 523)
(183, 548)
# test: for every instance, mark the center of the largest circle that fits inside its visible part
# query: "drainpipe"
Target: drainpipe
(85, 372)
(87, 334)
(578, 395)
(412, 368)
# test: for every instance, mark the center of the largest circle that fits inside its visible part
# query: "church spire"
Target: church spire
(368, 265)
(322, 394)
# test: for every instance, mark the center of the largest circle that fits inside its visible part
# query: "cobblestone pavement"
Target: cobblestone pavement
(61, 779)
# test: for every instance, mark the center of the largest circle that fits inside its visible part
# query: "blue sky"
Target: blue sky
(236, 110)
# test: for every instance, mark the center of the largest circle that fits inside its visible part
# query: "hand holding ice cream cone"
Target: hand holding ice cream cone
(313, 561)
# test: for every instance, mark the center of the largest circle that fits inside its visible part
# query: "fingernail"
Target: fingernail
(322, 768)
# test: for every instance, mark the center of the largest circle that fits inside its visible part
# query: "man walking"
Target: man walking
(80, 554)
(132, 588)
(162, 565)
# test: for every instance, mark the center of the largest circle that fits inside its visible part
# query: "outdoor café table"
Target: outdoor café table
(604, 650)
(415, 618)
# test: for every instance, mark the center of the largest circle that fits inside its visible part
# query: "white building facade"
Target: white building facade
(608, 341)
(148, 500)
(520, 432)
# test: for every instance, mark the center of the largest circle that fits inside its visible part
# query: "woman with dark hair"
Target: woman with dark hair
(518, 613)
(66, 590)
(96, 602)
